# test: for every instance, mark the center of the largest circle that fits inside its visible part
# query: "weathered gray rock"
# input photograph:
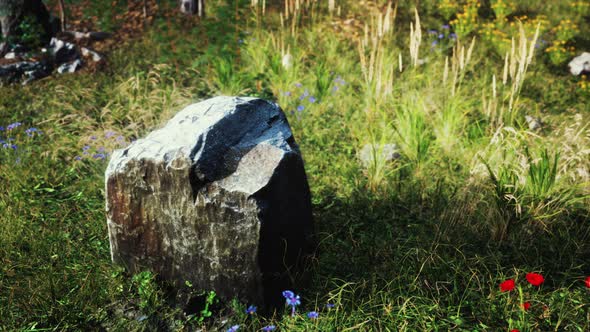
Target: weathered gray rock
(383, 153)
(217, 197)
(63, 51)
(91, 54)
(580, 64)
(534, 123)
(27, 70)
(70, 67)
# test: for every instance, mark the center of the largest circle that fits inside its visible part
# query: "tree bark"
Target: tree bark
(12, 15)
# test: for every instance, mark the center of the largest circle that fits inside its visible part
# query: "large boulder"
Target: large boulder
(217, 197)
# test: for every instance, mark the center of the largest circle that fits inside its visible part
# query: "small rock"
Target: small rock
(10, 55)
(70, 67)
(580, 64)
(386, 153)
(287, 61)
(534, 123)
(63, 51)
(86, 52)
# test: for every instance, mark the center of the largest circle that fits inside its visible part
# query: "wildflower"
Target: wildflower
(441, 36)
(233, 328)
(77, 158)
(32, 130)
(535, 279)
(526, 306)
(587, 282)
(515, 330)
(99, 156)
(304, 95)
(453, 35)
(507, 285)
(1, 128)
(251, 310)
(287, 93)
(312, 99)
(93, 138)
(269, 328)
(445, 27)
(330, 305)
(86, 148)
(312, 315)
(432, 32)
(13, 125)
(109, 134)
(292, 300)
(300, 108)
(433, 44)
(298, 85)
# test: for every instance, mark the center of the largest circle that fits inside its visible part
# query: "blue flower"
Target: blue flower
(86, 147)
(32, 130)
(453, 35)
(294, 301)
(251, 310)
(298, 85)
(269, 328)
(434, 43)
(93, 137)
(432, 32)
(288, 294)
(441, 36)
(77, 158)
(99, 156)
(300, 108)
(312, 315)
(1, 128)
(13, 125)
(287, 93)
(101, 149)
(330, 305)
(233, 328)
(445, 27)
(109, 134)
(312, 99)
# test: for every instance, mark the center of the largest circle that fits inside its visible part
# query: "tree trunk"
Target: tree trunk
(25, 22)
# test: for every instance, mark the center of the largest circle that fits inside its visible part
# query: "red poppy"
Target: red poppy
(535, 279)
(515, 330)
(507, 285)
(526, 306)
(587, 282)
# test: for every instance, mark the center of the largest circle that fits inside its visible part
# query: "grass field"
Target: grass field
(421, 243)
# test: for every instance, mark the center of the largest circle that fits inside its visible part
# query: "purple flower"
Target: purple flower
(1, 128)
(287, 93)
(93, 137)
(233, 328)
(120, 138)
(330, 305)
(312, 315)
(86, 147)
(101, 149)
(441, 36)
(445, 27)
(434, 43)
(77, 158)
(269, 328)
(294, 301)
(288, 294)
(298, 85)
(251, 310)
(13, 125)
(432, 32)
(32, 130)
(99, 156)
(300, 108)
(109, 134)
(453, 35)
(312, 99)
